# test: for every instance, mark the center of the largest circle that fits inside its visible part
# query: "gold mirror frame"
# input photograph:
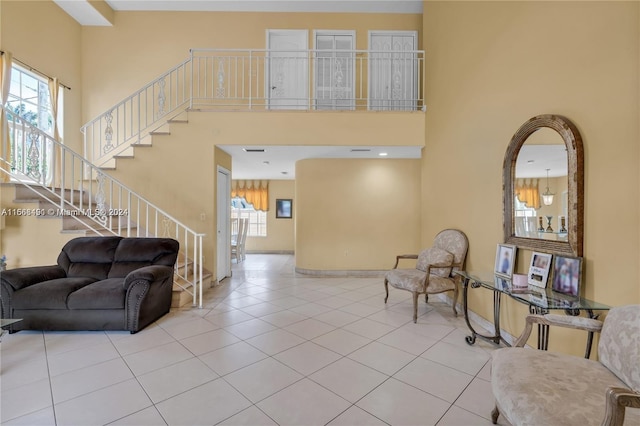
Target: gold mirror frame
(575, 178)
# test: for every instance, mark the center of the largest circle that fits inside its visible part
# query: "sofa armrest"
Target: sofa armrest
(580, 323)
(617, 400)
(151, 273)
(24, 277)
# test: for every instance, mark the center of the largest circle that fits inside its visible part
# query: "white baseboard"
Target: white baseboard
(340, 273)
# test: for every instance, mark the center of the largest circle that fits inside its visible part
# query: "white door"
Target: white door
(287, 69)
(393, 70)
(223, 201)
(334, 70)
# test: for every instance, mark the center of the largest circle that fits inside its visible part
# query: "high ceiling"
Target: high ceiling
(344, 6)
(86, 14)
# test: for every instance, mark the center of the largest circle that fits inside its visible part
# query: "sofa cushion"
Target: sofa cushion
(52, 294)
(104, 294)
(554, 389)
(134, 253)
(88, 256)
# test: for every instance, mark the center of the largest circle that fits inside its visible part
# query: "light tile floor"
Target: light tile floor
(269, 347)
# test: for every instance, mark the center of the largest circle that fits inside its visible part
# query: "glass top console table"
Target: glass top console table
(540, 301)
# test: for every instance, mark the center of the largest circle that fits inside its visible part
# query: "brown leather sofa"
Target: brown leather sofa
(99, 283)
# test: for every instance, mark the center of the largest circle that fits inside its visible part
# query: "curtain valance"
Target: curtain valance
(255, 192)
(528, 193)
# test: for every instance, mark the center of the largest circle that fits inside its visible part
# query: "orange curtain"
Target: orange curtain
(528, 193)
(255, 192)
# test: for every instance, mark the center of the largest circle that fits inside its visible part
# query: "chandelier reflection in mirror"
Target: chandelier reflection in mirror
(547, 195)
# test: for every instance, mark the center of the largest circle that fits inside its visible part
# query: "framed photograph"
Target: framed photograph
(567, 275)
(505, 258)
(539, 269)
(284, 208)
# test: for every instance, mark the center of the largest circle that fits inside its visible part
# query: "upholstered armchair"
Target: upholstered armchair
(434, 269)
(534, 387)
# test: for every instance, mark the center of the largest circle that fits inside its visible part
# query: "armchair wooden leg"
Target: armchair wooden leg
(415, 307)
(494, 415)
(426, 298)
(386, 289)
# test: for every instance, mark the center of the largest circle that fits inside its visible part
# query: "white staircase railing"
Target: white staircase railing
(101, 203)
(260, 79)
(128, 121)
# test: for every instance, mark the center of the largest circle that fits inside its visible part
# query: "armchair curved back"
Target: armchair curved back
(456, 243)
(619, 346)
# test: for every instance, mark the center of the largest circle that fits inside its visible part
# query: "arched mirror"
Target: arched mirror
(543, 185)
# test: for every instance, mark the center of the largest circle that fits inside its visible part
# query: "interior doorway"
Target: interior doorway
(223, 231)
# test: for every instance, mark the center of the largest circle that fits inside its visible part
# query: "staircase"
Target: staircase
(88, 201)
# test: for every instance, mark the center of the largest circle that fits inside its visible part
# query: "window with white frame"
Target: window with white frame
(29, 98)
(525, 219)
(240, 209)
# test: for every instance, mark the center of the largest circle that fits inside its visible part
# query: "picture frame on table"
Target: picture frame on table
(505, 259)
(539, 269)
(567, 275)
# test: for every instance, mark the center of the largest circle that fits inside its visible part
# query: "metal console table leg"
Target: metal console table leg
(496, 338)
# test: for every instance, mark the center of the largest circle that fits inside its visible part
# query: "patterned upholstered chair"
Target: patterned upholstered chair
(433, 272)
(535, 387)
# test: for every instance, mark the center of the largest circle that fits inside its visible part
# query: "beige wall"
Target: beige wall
(142, 45)
(44, 37)
(493, 65)
(280, 232)
(177, 173)
(28, 241)
(356, 214)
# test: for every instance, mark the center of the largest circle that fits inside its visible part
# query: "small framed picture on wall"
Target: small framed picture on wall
(505, 258)
(284, 208)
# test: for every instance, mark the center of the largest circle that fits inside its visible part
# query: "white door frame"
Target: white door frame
(270, 85)
(373, 33)
(223, 231)
(351, 33)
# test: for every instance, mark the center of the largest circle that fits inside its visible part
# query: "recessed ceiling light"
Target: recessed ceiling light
(253, 149)
(383, 154)
(285, 173)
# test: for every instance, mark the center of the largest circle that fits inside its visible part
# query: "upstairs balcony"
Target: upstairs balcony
(262, 80)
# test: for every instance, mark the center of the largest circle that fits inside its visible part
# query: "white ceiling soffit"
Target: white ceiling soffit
(279, 162)
(83, 13)
(344, 6)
